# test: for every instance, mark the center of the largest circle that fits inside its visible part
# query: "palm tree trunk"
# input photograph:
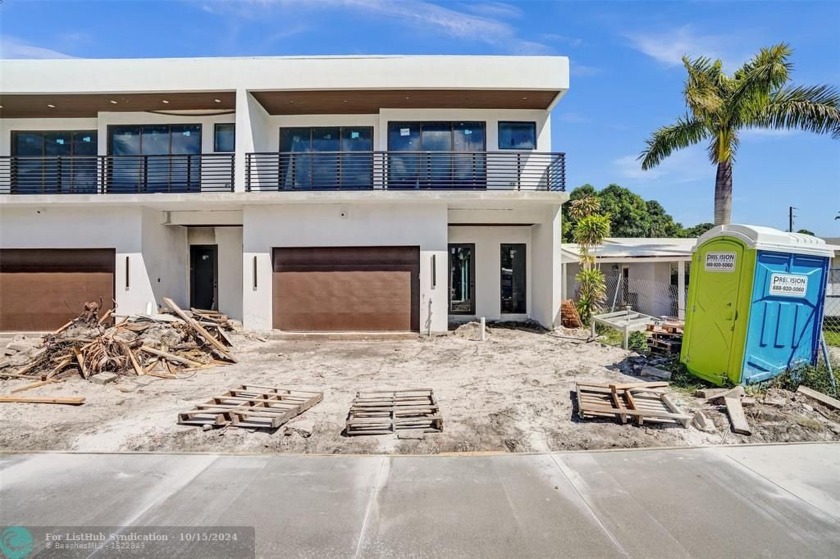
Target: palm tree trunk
(723, 193)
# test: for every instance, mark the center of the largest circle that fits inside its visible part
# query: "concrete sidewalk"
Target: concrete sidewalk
(761, 501)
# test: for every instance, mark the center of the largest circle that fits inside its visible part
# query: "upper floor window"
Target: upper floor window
(54, 161)
(224, 138)
(154, 158)
(326, 157)
(517, 135)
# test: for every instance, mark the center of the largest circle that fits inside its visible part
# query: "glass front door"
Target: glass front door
(513, 279)
(462, 279)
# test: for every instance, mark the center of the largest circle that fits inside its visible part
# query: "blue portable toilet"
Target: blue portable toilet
(777, 286)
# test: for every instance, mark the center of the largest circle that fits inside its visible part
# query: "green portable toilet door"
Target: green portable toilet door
(714, 308)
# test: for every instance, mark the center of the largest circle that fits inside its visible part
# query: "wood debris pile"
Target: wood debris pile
(160, 346)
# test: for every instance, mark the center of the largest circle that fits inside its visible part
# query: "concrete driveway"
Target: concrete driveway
(761, 501)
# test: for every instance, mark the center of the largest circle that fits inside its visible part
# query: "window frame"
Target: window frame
(501, 123)
(524, 247)
(216, 126)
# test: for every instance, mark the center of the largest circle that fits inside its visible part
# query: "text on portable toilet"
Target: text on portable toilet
(788, 285)
(720, 262)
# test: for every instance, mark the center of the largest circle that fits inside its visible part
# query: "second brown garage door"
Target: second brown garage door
(346, 289)
(42, 289)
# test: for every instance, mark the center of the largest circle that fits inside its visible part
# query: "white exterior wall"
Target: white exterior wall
(165, 256)
(322, 225)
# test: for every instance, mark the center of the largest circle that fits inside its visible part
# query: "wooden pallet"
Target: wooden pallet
(255, 407)
(382, 412)
(642, 402)
(664, 345)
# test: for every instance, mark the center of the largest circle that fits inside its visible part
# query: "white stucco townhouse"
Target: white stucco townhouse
(303, 194)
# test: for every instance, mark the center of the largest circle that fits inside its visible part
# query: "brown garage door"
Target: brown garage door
(43, 289)
(347, 289)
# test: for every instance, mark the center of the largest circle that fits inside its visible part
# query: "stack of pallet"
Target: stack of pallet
(639, 401)
(380, 412)
(665, 338)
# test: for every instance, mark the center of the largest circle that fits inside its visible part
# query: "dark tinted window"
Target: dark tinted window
(224, 139)
(517, 135)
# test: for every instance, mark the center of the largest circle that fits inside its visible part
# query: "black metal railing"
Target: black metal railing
(117, 174)
(395, 170)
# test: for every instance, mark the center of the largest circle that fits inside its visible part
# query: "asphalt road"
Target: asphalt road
(762, 501)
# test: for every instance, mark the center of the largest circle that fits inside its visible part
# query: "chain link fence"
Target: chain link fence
(642, 295)
(831, 322)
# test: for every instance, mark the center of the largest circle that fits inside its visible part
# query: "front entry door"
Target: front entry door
(462, 279)
(203, 277)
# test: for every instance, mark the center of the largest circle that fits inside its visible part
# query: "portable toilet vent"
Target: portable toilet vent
(755, 303)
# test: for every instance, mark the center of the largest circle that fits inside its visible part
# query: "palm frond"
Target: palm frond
(758, 79)
(705, 86)
(685, 132)
(809, 108)
(723, 146)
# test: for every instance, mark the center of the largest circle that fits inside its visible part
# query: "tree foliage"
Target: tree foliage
(590, 230)
(630, 215)
(719, 106)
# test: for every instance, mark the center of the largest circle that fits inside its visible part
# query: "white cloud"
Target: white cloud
(486, 22)
(12, 47)
(687, 165)
(582, 70)
(670, 46)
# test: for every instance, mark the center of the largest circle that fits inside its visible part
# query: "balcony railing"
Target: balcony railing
(116, 174)
(393, 170)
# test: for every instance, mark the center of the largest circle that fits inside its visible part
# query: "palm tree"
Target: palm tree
(757, 95)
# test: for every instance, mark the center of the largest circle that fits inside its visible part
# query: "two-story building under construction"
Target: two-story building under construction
(365, 193)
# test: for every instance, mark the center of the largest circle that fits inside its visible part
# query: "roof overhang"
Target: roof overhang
(372, 101)
(88, 105)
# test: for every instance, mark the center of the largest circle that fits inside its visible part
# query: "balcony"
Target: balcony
(391, 170)
(121, 174)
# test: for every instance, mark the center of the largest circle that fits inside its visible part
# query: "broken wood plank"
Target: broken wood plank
(170, 356)
(68, 400)
(827, 401)
(34, 385)
(736, 416)
(134, 364)
(737, 392)
(105, 316)
(81, 361)
(707, 393)
(198, 328)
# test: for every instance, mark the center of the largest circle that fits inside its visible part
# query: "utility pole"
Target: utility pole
(790, 219)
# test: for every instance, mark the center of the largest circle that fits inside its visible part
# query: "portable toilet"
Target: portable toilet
(755, 303)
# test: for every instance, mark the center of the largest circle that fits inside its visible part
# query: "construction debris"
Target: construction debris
(827, 401)
(703, 423)
(665, 338)
(569, 316)
(736, 416)
(136, 345)
(642, 401)
(255, 407)
(70, 400)
(382, 412)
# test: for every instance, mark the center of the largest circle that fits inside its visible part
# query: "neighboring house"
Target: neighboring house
(649, 275)
(304, 194)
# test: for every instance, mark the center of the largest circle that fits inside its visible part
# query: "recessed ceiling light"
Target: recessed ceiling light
(51, 106)
(524, 98)
(165, 102)
(407, 97)
(1, 106)
(113, 102)
(217, 100)
(345, 100)
(291, 102)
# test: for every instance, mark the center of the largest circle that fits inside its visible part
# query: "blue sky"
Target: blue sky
(626, 76)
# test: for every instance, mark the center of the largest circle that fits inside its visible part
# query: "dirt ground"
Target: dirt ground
(511, 393)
